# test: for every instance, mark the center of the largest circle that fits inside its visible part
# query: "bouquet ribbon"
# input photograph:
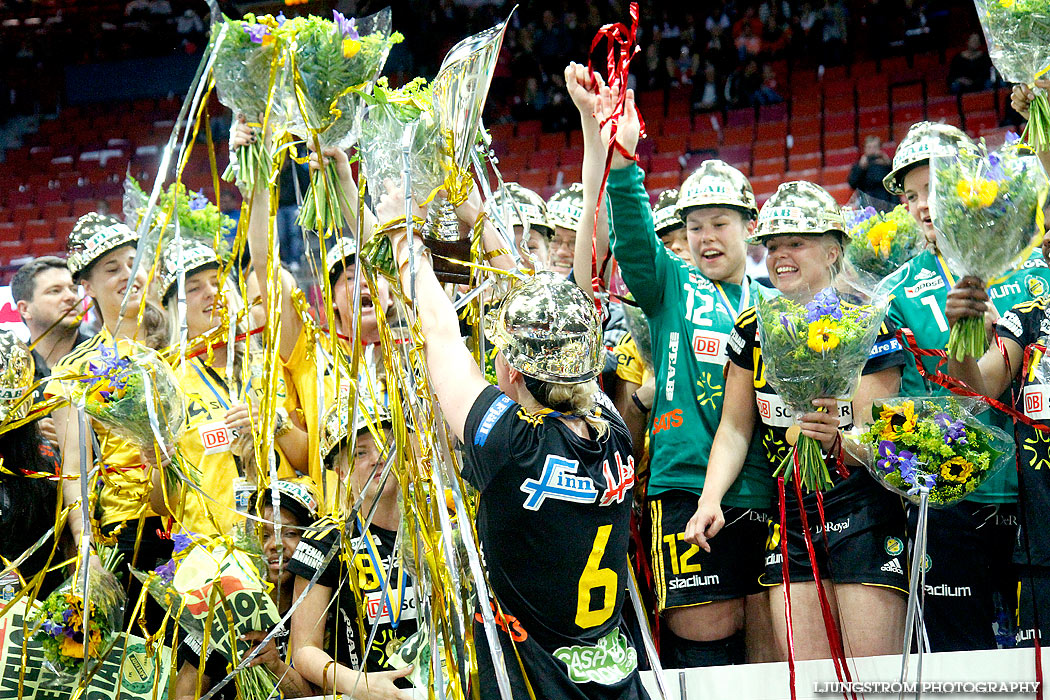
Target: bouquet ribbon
(622, 47)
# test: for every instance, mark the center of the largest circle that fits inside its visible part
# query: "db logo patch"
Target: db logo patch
(215, 437)
(1035, 401)
(763, 408)
(709, 347)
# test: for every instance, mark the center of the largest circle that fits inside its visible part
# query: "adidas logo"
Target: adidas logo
(893, 566)
(925, 274)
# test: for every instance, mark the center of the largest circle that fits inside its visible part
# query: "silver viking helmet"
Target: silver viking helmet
(716, 184)
(799, 208)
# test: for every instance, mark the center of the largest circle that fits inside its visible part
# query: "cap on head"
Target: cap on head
(298, 495)
(523, 205)
(548, 329)
(340, 254)
(195, 257)
(923, 141)
(665, 213)
(336, 421)
(565, 208)
(93, 236)
(16, 377)
(716, 184)
(799, 208)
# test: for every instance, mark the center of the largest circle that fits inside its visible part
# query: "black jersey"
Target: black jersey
(372, 567)
(553, 521)
(1027, 324)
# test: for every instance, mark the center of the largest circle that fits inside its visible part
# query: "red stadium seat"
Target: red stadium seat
(575, 139)
(551, 142)
(534, 179)
(737, 135)
(23, 214)
(540, 160)
(735, 154)
(501, 132)
(678, 126)
(839, 122)
(873, 94)
(663, 181)
(978, 102)
(673, 144)
(840, 140)
(527, 128)
(57, 210)
(874, 120)
(909, 94)
(769, 150)
(809, 126)
(571, 157)
(16, 250)
(513, 161)
(839, 103)
(37, 229)
(768, 167)
(706, 140)
(975, 123)
(809, 174)
(740, 117)
(45, 246)
(664, 163)
(830, 177)
(846, 156)
(805, 105)
(10, 232)
(63, 227)
(841, 192)
(939, 107)
(803, 161)
(770, 131)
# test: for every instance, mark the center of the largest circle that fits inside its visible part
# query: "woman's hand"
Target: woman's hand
(267, 656)
(582, 90)
(338, 158)
(239, 419)
(392, 203)
(822, 426)
(967, 299)
(629, 126)
(706, 522)
(1022, 95)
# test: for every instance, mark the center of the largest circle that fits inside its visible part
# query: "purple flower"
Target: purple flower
(51, 628)
(182, 541)
(995, 167)
(903, 462)
(1012, 138)
(921, 481)
(347, 27)
(281, 19)
(858, 217)
(826, 303)
(256, 32)
(66, 614)
(954, 430)
(166, 571)
(788, 325)
(198, 201)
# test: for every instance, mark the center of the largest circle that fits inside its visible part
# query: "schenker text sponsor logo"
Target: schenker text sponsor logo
(693, 581)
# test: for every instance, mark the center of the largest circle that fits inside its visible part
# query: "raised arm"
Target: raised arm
(259, 247)
(1021, 99)
(457, 379)
(585, 95)
(728, 452)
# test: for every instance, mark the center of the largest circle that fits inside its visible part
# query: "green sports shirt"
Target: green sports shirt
(690, 319)
(918, 304)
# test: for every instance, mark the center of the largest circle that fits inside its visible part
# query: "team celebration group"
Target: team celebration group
(623, 462)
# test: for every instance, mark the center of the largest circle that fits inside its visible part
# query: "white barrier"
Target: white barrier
(1006, 673)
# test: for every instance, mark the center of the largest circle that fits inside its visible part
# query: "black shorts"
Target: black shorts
(687, 575)
(970, 576)
(1034, 598)
(862, 540)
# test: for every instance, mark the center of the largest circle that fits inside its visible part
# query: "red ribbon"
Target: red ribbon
(220, 343)
(622, 47)
(785, 572)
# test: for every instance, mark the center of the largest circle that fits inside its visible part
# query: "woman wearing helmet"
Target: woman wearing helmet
(859, 549)
(326, 639)
(691, 310)
(297, 510)
(969, 544)
(101, 255)
(28, 503)
(217, 439)
(552, 460)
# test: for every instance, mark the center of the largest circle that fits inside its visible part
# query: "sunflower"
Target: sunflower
(978, 193)
(899, 419)
(824, 335)
(956, 469)
(880, 237)
(72, 648)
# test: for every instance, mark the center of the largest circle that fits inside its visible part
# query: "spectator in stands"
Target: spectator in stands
(47, 300)
(748, 44)
(971, 69)
(868, 173)
(835, 20)
(767, 93)
(707, 96)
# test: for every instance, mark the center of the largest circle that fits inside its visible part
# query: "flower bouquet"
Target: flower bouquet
(199, 219)
(247, 67)
(812, 351)
(391, 114)
(987, 209)
(879, 243)
(1018, 35)
(330, 62)
(134, 393)
(931, 443)
(62, 616)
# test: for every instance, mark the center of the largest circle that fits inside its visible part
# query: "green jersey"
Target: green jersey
(918, 304)
(690, 319)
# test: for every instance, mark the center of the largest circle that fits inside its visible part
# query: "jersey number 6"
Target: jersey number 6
(594, 582)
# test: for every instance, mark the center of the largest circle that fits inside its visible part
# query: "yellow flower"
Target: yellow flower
(1007, 3)
(899, 419)
(71, 648)
(351, 47)
(824, 336)
(956, 469)
(978, 193)
(881, 235)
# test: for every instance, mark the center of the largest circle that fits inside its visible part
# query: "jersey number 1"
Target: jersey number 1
(594, 582)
